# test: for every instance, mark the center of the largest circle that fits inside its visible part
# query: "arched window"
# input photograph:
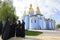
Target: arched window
(35, 21)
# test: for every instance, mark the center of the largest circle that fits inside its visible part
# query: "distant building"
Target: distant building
(37, 21)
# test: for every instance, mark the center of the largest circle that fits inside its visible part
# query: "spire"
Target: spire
(37, 8)
(30, 9)
(24, 11)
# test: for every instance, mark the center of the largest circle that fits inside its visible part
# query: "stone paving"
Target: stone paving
(47, 35)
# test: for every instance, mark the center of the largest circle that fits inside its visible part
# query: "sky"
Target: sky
(49, 8)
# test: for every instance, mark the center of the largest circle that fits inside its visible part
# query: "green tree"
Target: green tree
(58, 25)
(7, 10)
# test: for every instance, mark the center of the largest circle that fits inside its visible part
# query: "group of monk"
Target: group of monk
(12, 29)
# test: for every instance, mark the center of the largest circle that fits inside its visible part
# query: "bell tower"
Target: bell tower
(31, 11)
(37, 10)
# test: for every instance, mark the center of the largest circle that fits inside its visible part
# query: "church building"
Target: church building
(36, 21)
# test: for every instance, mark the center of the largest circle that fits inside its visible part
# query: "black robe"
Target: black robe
(10, 32)
(1, 26)
(6, 30)
(18, 30)
(23, 29)
(13, 28)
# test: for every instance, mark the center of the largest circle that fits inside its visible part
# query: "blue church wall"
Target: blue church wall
(47, 25)
(30, 21)
(43, 23)
(40, 24)
(33, 24)
(50, 25)
(31, 13)
(26, 22)
(53, 25)
(37, 23)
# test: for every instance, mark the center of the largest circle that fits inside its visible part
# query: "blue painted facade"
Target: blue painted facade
(47, 24)
(27, 22)
(37, 21)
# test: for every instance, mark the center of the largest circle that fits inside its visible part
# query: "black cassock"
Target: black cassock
(13, 26)
(6, 29)
(10, 32)
(1, 26)
(18, 29)
(23, 29)
(13, 29)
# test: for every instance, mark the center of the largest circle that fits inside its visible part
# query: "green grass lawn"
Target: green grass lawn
(32, 33)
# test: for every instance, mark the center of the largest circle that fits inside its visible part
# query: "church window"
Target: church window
(35, 21)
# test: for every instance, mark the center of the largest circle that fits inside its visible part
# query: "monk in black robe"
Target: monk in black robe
(23, 29)
(10, 32)
(18, 29)
(6, 29)
(13, 27)
(1, 26)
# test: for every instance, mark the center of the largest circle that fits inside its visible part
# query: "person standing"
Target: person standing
(18, 29)
(10, 30)
(6, 29)
(1, 26)
(13, 27)
(23, 29)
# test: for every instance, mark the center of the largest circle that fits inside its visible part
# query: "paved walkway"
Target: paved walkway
(47, 35)
(26, 38)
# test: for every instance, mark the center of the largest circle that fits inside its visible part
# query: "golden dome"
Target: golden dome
(31, 5)
(30, 9)
(37, 8)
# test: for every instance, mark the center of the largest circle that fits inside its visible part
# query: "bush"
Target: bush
(58, 25)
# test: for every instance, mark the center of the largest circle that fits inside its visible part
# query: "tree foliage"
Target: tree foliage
(7, 10)
(58, 25)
